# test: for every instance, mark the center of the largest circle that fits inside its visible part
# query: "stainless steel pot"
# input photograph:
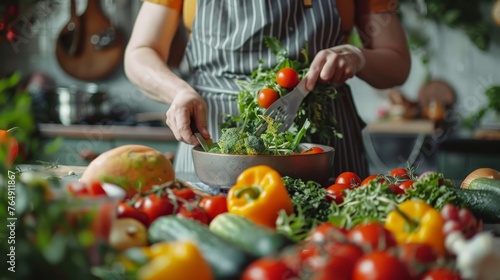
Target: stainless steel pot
(73, 105)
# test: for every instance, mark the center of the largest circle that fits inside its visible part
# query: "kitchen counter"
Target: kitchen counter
(104, 132)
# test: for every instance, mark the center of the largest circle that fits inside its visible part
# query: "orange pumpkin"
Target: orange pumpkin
(135, 168)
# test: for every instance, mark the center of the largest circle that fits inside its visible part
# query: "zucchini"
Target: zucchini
(483, 203)
(485, 184)
(226, 260)
(258, 240)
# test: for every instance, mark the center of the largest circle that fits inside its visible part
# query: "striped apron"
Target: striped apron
(227, 44)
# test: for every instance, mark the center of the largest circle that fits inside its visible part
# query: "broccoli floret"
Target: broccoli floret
(232, 141)
(254, 145)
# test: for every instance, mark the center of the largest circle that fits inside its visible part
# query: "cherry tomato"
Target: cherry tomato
(268, 268)
(338, 267)
(125, 210)
(400, 173)
(326, 231)
(9, 146)
(213, 205)
(186, 194)
(77, 189)
(380, 265)
(95, 189)
(368, 179)
(405, 185)
(266, 97)
(287, 78)
(441, 274)
(372, 235)
(155, 206)
(417, 257)
(193, 211)
(396, 190)
(312, 150)
(335, 193)
(349, 178)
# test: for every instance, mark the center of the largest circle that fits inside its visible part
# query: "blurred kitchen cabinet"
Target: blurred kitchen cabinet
(456, 158)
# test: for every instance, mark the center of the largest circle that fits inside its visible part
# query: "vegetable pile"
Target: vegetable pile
(314, 122)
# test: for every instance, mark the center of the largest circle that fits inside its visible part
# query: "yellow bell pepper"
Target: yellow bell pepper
(259, 195)
(415, 221)
(175, 261)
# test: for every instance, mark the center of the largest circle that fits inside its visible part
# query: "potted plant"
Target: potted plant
(493, 104)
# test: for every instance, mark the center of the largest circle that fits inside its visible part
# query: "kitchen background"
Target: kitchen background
(439, 52)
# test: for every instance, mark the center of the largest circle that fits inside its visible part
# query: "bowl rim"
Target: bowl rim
(326, 148)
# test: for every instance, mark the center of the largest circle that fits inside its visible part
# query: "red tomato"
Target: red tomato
(193, 211)
(155, 207)
(380, 265)
(373, 235)
(125, 210)
(9, 146)
(441, 274)
(213, 205)
(396, 190)
(417, 257)
(266, 97)
(287, 78)
(367, 180)
(186, 194)
(406, 185)
(268, 269)
(77, 189)
(312, 150)
(337, 267)
(400, 173)
(101, 222)
(335, 193)
(326, 231)
(349, 178)
(95, 189)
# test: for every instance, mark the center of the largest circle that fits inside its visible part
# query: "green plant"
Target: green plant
(464, 15)
(493, 95)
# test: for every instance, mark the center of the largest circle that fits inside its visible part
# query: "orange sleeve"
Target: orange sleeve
(172, 4)
(364, 7)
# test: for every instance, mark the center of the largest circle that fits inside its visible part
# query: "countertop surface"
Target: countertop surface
(103, 132)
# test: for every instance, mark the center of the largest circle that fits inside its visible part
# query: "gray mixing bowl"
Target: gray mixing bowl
(222, 170)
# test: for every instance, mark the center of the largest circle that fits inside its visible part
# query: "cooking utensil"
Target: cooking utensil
(205, 143)
(284, 110)
(69, 36)
(100, 46)
(222, 170)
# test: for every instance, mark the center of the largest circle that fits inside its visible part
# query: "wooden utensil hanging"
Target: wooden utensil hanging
(93, 49)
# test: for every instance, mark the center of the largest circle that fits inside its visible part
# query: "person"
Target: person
(225, 42)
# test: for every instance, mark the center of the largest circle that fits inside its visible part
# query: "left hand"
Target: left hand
(335, 65)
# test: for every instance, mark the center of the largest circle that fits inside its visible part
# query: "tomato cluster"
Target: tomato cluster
(399, 180)
(367, 251)
(286, 78)
(172, 200)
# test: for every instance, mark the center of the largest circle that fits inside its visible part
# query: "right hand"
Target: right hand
(187, 106)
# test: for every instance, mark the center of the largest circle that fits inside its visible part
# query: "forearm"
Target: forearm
(147, 70)
(384, 68)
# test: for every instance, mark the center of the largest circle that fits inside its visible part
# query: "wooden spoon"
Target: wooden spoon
(69, 37)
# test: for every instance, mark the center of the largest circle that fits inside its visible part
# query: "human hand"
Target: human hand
(186, 107)
(335, 65)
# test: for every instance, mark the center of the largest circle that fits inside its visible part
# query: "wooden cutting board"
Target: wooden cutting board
(76, 53)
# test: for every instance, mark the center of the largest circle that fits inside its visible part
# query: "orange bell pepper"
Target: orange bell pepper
(9, 147)
(259, 195)
(415, 221)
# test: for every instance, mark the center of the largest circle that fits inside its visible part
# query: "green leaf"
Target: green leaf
(54, 251)
(54, 145)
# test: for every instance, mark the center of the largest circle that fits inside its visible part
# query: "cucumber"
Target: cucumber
(485, 184)
(255, 239)
(483, 203)
(226, 260)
